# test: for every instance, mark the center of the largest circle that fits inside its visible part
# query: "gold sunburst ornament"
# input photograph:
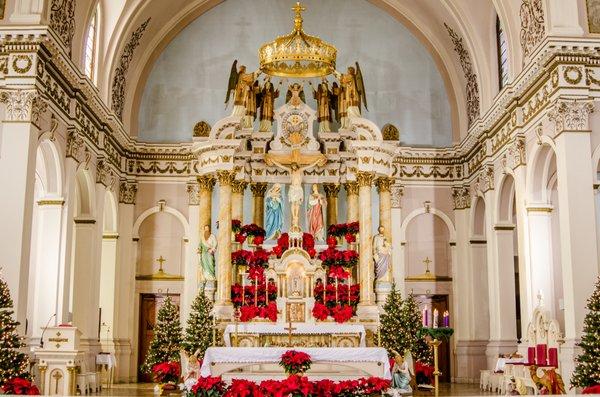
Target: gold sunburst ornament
(297, 54)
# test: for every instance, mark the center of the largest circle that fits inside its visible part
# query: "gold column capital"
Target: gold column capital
(364, 179)
(206, 182)
(383, 184)
(239, 186)
(225, 178)
(351, 188)
(258, 189)
(331, 189)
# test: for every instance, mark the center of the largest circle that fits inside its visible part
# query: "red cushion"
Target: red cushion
(531, 354)
(541, 357)
(553, 357)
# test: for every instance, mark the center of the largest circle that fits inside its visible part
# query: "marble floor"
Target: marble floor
(146, 389)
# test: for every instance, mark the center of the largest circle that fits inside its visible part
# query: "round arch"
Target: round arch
(86, 199)
(505, 199)
(51, 167)
(539, 172)
(433, 211)
(477, 216)
(110, 222)
(153, 210)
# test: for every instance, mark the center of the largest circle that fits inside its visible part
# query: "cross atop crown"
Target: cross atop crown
(298, 8)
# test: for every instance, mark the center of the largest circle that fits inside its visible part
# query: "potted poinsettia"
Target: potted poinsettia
(209, 386)
(166, 375)
(295, 362)
(20, 386)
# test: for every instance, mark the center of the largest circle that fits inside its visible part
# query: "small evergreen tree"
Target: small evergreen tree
(587, 370)
(13, 363)
(412, 322)
(198, 332)
(392, 332)
(166, 342)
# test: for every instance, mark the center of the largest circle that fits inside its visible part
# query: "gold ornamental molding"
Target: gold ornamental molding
(51, 202)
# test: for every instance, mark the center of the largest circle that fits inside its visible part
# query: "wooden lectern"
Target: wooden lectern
(58, 360)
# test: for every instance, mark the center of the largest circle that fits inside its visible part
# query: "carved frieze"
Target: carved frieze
(62, 21)
(472, 88)
(532, 26)
(571, 115)
(397, 191)
(120, 79)
(193, 190)
(461, 197)
(127, 192)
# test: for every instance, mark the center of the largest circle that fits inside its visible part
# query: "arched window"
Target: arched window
(91, 45)
(502, 54)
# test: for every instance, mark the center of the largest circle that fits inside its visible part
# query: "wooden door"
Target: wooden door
(149, 305)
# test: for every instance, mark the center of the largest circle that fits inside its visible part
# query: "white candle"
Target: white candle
(435, 318)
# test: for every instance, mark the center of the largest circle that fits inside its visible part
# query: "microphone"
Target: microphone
(45, 328)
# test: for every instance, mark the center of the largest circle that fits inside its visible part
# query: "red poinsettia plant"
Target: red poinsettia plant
(210, 386)
(166, 372)
(295, 362)
(252, 230)
(236, 226)
(320, 311)
(241, 257)
(20, 386)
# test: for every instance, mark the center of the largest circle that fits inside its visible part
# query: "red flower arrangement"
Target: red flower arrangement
(236, 226)
(167, 372)
(343, 229)
(294, 385)
(331, 241)
(240, 238)
(595, 389)
(295, 362)
(350, 238)
(342, 313)
(260, 257)
(424, 372)
(320, 311)
(283, 244)
(20, 386)
(243, 388)
(252, 230)
(352, 228)
(241, 257)
(210, 386)
(258, 240)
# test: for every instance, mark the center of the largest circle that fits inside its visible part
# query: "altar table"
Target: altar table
(502, 361)
(349, 362)
(301, 329)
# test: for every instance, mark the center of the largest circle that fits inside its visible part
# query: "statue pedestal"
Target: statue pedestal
(367, 312)
(382, 290)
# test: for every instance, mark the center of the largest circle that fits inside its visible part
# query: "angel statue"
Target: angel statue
(190, 366)
(267, 105)
(274, 212)
(241, 83)
(323, 95)
(316, 203)
(206, 250)
(252, 102)
(402, 372)
(295, 95)
(353, 90)
(381, 253)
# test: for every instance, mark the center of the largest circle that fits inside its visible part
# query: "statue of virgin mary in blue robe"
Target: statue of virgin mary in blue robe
(274, 212)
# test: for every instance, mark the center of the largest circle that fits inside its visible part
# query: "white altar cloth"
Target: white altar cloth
(301, 328)
(317, 354)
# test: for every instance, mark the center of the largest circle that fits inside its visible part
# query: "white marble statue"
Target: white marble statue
(381, 253)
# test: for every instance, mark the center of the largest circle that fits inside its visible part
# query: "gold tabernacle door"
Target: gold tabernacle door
(298, 340)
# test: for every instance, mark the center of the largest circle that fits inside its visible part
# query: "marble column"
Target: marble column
(207, 183)
(258, 200)
(331, 192)
(223, 305)
(383, 284)
(352, 201)
(367, 306)
(237, 199)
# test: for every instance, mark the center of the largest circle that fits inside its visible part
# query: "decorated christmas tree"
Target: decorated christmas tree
(166, 342)
(198, 332)
(587, 370)
(13, 363)
(393, 335)
(412, 323)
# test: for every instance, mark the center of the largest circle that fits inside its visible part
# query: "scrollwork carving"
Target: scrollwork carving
(22, 105)
(202, 129)
(119, 81)
(472, 88)
(397, 191)
(193, 190)
(532, 25)
(104, 174)
(62, 21)
(390, 133)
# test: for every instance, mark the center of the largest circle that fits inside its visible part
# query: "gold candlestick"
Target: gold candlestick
(436, 371)
(214, 331)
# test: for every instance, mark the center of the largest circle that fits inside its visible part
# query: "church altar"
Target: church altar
(328, 363)
(303, 334)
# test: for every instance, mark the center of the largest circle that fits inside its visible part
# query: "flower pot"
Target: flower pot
(167, 388)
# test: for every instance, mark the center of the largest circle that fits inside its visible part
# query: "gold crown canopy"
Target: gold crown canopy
(297, 54)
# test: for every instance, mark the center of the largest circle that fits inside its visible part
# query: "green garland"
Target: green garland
(443, 333)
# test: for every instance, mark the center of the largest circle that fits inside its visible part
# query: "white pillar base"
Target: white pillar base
(470, 359)
(382, 290)
(496, 347)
